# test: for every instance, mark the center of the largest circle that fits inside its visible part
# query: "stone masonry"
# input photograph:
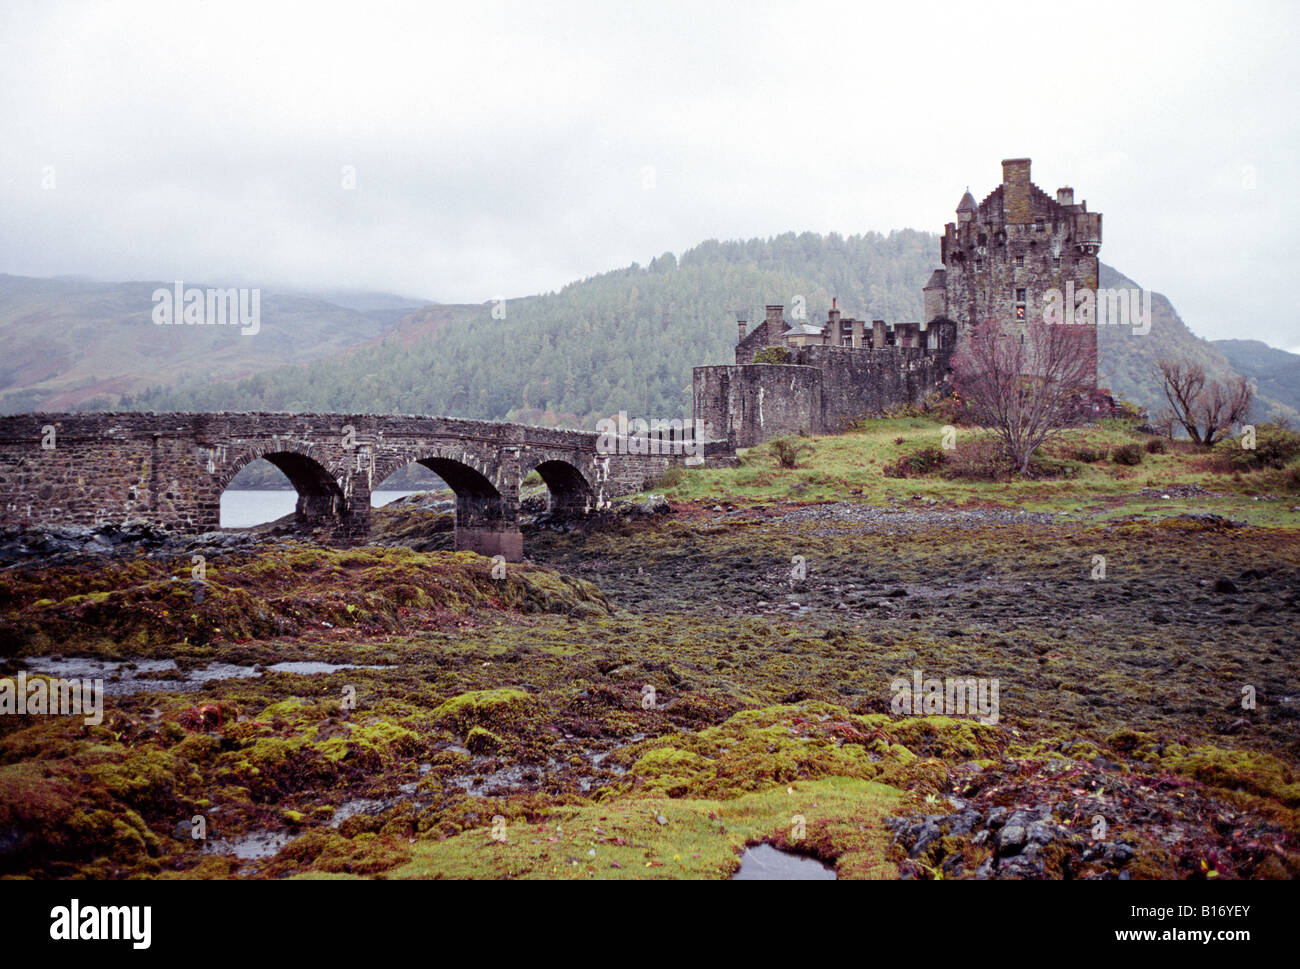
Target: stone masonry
(170, 469)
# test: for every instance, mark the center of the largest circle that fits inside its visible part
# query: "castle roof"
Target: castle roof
(804, 329)
(936, 280)
(967, 203)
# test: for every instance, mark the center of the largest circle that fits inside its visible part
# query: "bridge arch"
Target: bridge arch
(569, 490)
(321, 500)
(487, 506)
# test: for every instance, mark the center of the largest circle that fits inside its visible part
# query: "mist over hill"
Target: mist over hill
(70, 343)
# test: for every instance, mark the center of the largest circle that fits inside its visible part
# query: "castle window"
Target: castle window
(1020, 312)
(1020, 296)
(1020, 261)
(1056, 262)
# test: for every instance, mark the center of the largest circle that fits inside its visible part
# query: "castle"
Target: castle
(999, 259)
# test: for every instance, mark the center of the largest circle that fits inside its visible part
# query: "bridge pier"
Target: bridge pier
(487, 522)
(502, 538)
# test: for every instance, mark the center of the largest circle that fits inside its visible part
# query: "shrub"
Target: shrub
(1129, 454)
(946, 408)
(976, 460)
(772, 355)
(1275, 445)
(1088, 455)
(921, 461)
(787, 451)
(1156, 446)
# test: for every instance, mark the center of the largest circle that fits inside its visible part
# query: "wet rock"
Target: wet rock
(1011, 839)
(1041, 832)
(653, 505)
(925, 832)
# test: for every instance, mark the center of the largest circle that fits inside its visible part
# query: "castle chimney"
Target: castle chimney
(878, 336)
(834, 334)
(775, 323)
(1016, 190)
(1065, 196)
(741, 323)
(856, 336)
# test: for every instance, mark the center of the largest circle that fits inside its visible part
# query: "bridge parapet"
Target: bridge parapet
(171, 469)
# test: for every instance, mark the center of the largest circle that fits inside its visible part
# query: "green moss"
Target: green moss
(1237, 770)
(503, 708)
(481, 741)
(837, 819)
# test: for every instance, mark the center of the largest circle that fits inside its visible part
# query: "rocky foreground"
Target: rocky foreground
(650, 694)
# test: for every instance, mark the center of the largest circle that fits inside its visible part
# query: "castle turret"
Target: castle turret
(935, 295)
(966, 207)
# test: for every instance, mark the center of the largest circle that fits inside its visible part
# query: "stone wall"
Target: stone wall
(822, 390)
(744, 405)
(866, 383)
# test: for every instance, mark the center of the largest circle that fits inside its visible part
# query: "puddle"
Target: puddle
(762, 862)
(312, 666)
(126, 677)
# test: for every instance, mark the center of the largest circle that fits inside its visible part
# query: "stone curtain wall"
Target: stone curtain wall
(822, 391)
(171, 469)
(866, 383)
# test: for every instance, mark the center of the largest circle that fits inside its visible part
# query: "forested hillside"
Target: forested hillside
(627, 339)
(1276, 372)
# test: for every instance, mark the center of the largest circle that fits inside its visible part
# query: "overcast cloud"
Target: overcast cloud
(505, 149)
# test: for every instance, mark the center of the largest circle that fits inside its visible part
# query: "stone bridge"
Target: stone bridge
(170, 469)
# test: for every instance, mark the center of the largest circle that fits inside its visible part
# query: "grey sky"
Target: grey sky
(512, 148)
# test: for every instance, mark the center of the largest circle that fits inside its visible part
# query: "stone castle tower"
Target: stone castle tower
(999, 260)
(1001, 256)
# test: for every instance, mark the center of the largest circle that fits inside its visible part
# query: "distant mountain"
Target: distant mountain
(1276, 372)
(72, 343)
(1127, 362)
(622, 340)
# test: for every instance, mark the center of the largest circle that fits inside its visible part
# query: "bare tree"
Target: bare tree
(1207, 409)
(1025, 382)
